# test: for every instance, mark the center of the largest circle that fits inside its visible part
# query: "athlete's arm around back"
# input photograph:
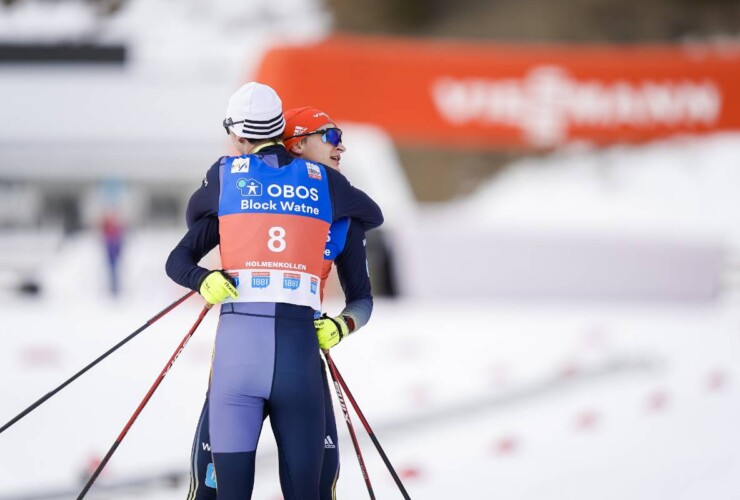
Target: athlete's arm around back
(348, 201)
(204, 201)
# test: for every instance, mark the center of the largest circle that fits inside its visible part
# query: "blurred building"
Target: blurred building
(101, 89)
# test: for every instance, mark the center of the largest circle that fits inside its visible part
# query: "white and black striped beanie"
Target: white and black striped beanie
(259, 109)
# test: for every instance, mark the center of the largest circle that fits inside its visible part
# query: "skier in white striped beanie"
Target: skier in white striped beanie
(254, 113)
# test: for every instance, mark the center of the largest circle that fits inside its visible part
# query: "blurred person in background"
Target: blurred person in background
(271, 214)
(309, 134)
(112, 230)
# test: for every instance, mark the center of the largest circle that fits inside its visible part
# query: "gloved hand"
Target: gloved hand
(330, 331)
(217, 286)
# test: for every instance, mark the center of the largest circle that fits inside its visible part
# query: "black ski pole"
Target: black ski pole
(355, 443)
(370, 432)
(143, 403)
(74, 377)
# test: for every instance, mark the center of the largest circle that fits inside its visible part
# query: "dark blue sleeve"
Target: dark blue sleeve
(182, 264)
(354, 276)
(204, 201)
(348, 201)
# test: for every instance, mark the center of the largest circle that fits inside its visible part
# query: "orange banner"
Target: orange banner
(480, 95)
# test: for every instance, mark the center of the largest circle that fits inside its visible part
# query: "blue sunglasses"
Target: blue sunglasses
(331, 135)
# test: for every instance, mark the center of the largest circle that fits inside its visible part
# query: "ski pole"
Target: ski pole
(365, 476)
(370, 432)
(143, 403)
(74, 377)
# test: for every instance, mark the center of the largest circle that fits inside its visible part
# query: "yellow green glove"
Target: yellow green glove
(216, 287)
(330, 331)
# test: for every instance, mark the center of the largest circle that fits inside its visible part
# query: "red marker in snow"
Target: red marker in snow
(587, 420)
(505, 446)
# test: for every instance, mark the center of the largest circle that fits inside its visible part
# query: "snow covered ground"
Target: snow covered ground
(679, 187)
(469, 399)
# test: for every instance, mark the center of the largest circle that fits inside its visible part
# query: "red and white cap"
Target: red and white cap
(301, 121)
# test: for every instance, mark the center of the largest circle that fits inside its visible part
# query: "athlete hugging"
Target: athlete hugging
(282, 214)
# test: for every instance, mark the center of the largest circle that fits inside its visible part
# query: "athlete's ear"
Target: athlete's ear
(297, 148)
(235, 141)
